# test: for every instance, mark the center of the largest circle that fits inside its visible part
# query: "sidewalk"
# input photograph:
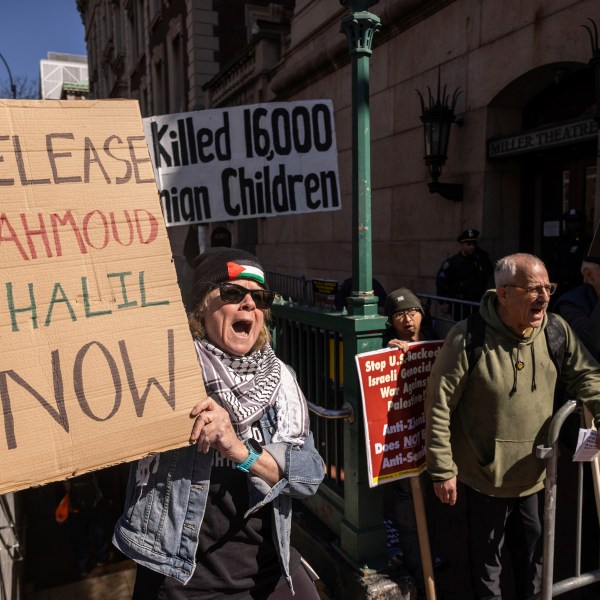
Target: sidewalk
(113, 582)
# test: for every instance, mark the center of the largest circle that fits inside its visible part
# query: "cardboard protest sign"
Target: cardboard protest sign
(392, 385)
(259, 160)
(97, 364)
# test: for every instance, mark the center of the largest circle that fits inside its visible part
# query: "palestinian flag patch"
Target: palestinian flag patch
(237, 271)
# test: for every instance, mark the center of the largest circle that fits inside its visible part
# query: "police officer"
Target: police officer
(467, 274)
(569, 252)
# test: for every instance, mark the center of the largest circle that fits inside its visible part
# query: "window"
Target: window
(158, 88)
(176, 85)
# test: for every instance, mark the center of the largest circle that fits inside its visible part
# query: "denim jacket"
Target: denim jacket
(167, 494)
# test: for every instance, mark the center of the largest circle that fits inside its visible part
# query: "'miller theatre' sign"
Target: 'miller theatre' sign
(530, 141)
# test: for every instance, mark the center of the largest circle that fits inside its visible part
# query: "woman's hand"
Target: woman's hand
(400, 344)
(213, 428)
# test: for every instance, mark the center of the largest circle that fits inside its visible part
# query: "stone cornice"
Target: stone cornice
(298, 68)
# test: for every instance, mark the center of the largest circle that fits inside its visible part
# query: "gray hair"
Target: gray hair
(586, 264)
(507, 267)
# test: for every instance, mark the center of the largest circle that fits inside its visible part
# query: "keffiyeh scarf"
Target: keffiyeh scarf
(248, 386)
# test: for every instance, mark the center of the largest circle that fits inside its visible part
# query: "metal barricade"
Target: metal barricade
(551, 589)
(445, 312)
(10, 548)
(13, 548)
(291, 287)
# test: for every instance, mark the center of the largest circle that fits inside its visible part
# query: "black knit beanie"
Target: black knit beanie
(219, 264)
(401, 299)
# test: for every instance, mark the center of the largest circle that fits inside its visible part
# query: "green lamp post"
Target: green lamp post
(362, 534)
(360, 27)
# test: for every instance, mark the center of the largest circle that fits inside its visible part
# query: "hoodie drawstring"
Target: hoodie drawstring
(518, 365)
(515, 369)
(533, 383)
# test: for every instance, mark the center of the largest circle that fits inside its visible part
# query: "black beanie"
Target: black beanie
(223, 264)
(401, 299)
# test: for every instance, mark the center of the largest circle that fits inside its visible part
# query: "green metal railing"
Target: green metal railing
(320, 346)
(308, 341)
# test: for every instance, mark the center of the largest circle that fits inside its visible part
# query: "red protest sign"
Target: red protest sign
(392, 384)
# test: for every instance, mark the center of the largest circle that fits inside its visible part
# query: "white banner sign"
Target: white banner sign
(261, 160)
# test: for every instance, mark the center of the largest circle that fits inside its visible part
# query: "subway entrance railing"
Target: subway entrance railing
(320, 345)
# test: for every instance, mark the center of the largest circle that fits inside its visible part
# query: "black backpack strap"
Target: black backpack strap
(556, 340)
(474, 339)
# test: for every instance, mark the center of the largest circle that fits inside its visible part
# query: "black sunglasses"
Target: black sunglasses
(234, 294)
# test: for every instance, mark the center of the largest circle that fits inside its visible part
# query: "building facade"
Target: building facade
(63, 76)
(525, 149)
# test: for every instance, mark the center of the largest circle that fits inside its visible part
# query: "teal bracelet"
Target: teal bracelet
(254, 452)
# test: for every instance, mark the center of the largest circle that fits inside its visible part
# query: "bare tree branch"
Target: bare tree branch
(26, 88)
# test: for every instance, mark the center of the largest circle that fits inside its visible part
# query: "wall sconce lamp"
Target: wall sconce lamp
(437, 120)
(595, 62)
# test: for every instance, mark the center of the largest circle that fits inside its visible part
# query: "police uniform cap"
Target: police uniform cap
(468, 235)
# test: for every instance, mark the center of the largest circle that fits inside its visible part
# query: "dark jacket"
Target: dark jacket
(465, 277)
(581, 310)
(167, 495)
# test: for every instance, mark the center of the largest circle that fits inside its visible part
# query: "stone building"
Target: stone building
(525, 149)
(63, 76)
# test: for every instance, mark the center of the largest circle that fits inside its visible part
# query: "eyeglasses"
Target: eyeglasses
(234, 294)
(536, 290)
(405, 314)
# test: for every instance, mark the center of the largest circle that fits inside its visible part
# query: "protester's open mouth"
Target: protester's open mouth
(242, 327)
(538, 311)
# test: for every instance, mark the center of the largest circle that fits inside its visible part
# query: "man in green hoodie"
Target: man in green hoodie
(483, 427)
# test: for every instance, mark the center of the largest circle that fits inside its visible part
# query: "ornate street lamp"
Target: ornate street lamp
(361, 531)
(360, 27)
(437, 118)
(13, 87)
(595, 62)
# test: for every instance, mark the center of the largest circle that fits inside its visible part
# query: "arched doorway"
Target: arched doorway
(562, 177)
(553, 154)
